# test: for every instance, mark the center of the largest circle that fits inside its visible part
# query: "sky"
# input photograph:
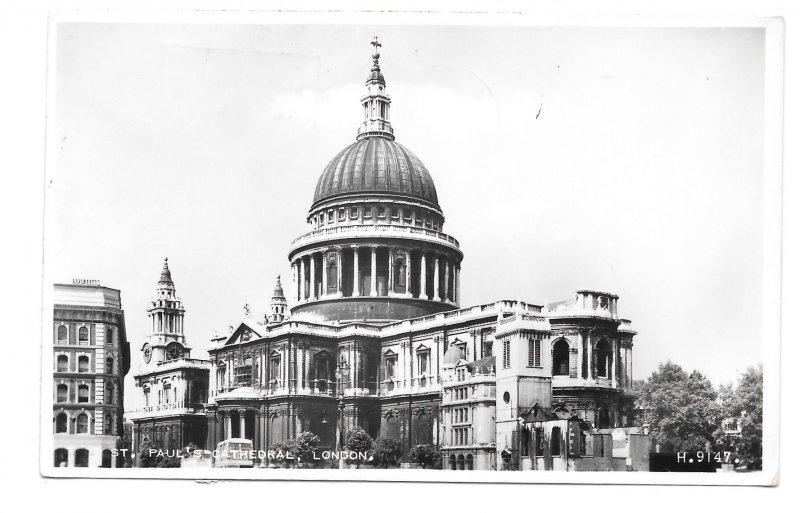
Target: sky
(628, 160)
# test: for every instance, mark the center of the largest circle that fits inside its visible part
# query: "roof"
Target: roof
(452, 355)
(376, 165)
(238, 393)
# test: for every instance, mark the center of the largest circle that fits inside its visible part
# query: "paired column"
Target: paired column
(589, 356)
(325, 265)
(374, 275)
(446, 280)
(436, 295)
(613, 359)
(303, 294)
(390, 281)
(356, 281)
(408, 272)
(339, 271)
(242, 423)
(423, 290)
(312, 279)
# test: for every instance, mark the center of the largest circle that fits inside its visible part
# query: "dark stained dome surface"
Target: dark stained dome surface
(376, 165)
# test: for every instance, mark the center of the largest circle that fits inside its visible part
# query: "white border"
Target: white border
(774, 76)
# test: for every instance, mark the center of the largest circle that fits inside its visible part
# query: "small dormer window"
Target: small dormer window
(367, 212)
(353, 212)
(604, 302)
(395, 213)
(341, 214)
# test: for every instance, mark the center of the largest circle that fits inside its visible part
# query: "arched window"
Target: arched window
(603, 359)
(469, 462)
(83, 364)
(63, 334)
(83, 335)
(108, 425)
(555, 441)
(61, 458)
(561, 358)
(62, 393)
(460, 462)
(392, 427)
(106, 463)
(604, 420)
(452, 462)
(333, 274)
(61, 423)
(539, 441)
(109, 366)
(400, 275)
(63, 363)
(424, 431)
(322, 368)
(109, 398)
(82, 423)
(524, 441)
(83, 393)
(82, 458)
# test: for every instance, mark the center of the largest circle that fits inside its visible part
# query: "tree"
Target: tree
(359, 441)
(386, 453)
(743, 406)
(303, 447)
(147, 459)
(680, 409)
(427, 456)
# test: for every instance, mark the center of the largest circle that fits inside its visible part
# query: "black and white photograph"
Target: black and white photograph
(423, 248)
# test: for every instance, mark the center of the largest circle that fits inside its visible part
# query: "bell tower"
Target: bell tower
(277, 306)
(166, 340)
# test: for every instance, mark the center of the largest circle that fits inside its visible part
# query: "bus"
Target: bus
(234, 453)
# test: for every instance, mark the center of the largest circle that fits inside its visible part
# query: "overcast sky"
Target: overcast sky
(628, 160)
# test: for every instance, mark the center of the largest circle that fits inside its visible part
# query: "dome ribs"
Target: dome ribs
(376, 164)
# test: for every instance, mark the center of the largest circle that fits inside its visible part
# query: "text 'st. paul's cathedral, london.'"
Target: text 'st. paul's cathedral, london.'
(368, 331)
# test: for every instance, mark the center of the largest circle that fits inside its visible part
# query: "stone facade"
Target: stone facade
(171, 387)
(90, 359)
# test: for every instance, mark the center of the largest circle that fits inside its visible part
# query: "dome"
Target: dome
(452, 355)
(376, 165)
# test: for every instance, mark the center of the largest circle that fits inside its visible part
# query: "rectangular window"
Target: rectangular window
(367, 212)
(422, 363)
(395, 213)
(381, 212)
(506, 354)
(390, 363)
(534, 353)
(353, 212)
(341, 214)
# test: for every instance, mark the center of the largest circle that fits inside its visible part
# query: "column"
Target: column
(589, 356)
(242, 430)
(219, 425)
(374, 276)
(390, 281)
(257, 431)
(423, 292)
(446, 280)
(339, 271)
(302, 279)
(294, 282)
(356, 283)
(228, 426)
(408, 272)
(614, 359)
(580, 356)
(456, 284)
(324, 273)
(312, 278)
(436, 296)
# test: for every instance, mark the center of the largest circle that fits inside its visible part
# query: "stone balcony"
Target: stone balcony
(371, 231)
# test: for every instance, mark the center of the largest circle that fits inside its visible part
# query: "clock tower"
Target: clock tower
(171, 387)
(166, 340)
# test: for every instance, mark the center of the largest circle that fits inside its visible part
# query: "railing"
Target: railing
(367, 229)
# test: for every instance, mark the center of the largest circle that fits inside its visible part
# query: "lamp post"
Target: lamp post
(342, 372)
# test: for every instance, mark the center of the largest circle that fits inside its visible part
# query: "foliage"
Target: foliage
(284, 447)
(303, 447)
(680, 409)
(147, 459)
(427, 456)
(359, 440)
(744, 406)
(386, 453)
